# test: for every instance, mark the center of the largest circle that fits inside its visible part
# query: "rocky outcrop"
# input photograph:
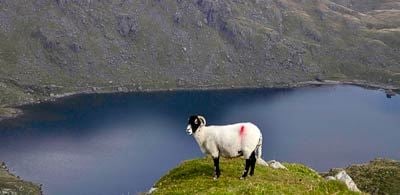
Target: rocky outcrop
(152, 190)
(379, 176)
(6, 113)
(13, 185)
(345, 178)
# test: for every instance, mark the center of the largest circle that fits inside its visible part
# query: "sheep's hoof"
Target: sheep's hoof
(242, 178)
(215, 178)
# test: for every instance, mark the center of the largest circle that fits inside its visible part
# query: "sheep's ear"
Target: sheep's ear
(203, 120)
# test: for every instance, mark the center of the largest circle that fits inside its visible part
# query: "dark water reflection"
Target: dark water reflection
(120, 143)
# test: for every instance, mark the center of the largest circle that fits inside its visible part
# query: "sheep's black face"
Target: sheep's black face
(194, 123)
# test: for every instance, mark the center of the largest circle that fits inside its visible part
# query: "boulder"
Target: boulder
(151, 190)
(390, 93)
(275, 164)
(344, 177)
(330, 178)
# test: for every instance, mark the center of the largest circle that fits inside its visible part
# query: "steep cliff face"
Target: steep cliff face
(57, 46)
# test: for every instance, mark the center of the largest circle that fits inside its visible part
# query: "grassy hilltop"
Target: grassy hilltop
(50, 47)
(195, 177)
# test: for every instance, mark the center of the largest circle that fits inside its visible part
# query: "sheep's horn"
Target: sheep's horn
(203, 120)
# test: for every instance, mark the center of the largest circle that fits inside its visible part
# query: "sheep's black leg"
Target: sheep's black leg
(217, 172)
(253, 163)
(246, 169)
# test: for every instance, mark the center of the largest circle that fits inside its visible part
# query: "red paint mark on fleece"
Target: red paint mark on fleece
(241, 132)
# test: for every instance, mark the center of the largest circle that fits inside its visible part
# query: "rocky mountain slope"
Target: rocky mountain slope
(11, 184)
(50, 47)
(380, 176)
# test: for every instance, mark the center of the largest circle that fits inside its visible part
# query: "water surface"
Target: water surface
(123, 143)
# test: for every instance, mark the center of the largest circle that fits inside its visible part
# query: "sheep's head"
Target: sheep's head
(194, 123)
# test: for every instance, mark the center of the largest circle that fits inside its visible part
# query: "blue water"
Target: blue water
(123, 143)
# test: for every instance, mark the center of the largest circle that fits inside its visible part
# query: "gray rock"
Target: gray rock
(319, 78)
(199, 24)
(180, 82)
(7, 191)
(151, 190)
(390, 92)
(330, 178)
(3, 85)
(275, 164)
(344, 177)
(177, 17)
(127, 25)
(3, 165)
(75, 47)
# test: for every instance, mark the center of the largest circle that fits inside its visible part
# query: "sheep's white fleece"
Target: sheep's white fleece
(227, 140)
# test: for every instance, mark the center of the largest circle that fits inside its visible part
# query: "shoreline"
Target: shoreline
(13, 111)
(114, 90)
(14, 184)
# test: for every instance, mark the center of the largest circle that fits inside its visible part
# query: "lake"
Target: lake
(122, 143)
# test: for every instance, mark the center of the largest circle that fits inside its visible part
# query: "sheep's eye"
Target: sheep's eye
(196, 122)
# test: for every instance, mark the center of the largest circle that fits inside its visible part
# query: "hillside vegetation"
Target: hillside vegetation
(51, 47)
(380, 176)
(11, 184)
(195, 177)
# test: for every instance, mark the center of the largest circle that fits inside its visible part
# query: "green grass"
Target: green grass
(195, 177)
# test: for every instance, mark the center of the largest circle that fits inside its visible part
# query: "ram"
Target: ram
(240, 139)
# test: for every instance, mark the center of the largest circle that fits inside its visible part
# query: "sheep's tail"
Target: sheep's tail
(258, 151)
